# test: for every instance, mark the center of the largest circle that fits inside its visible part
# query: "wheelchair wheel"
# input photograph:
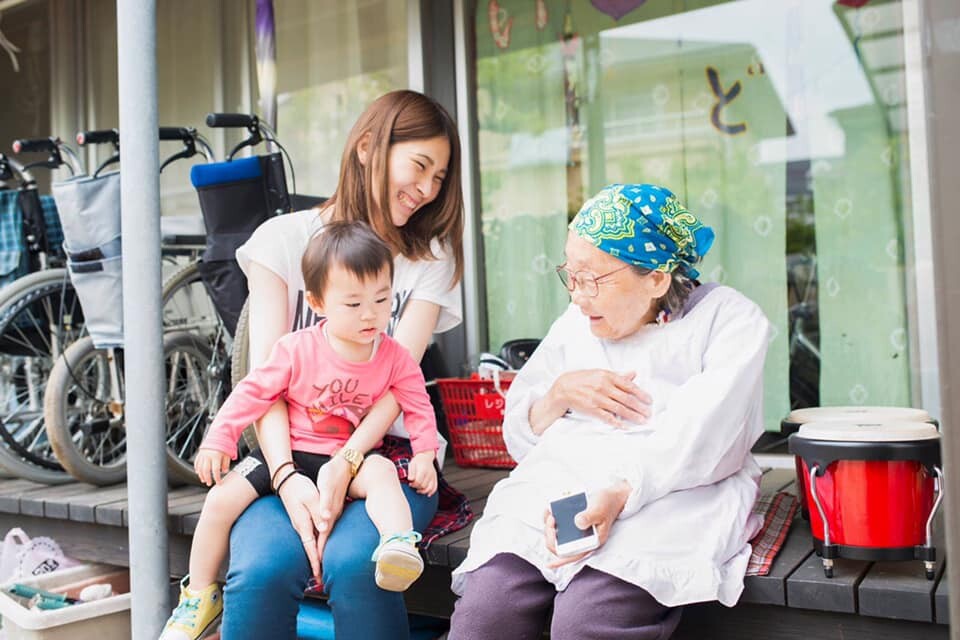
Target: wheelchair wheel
(189, 313)
(195, 391)
(240, 365)
(39, 317)
(84, 423)
(88, 421)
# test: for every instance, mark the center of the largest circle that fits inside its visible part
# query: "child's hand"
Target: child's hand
(422, 474)
(211, 465)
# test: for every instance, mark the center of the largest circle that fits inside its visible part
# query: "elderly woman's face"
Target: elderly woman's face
(625, 300)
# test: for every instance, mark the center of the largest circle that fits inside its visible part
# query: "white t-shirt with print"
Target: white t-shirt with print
(278, 245)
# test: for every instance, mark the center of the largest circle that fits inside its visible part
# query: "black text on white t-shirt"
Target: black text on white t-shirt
(303, 315)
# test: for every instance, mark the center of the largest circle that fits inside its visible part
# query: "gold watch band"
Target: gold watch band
(354, 457)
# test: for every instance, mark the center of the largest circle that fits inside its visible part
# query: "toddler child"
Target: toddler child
(329, 374)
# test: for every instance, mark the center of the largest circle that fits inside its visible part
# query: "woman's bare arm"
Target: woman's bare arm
(268, 322)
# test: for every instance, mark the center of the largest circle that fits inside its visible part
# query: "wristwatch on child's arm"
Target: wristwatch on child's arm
(354, 457)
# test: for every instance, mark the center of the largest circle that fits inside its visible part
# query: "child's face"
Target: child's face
(357, 310)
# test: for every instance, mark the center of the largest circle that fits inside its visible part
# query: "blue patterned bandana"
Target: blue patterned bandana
(644, 225)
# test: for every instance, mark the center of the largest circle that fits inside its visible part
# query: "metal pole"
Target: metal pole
(143, 331)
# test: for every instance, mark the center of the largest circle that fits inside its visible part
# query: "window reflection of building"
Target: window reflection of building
(781, 124)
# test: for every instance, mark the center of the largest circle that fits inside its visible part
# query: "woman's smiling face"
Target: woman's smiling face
(416, 170)
(625, 300)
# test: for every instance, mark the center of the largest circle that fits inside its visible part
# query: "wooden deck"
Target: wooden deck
(864, 599)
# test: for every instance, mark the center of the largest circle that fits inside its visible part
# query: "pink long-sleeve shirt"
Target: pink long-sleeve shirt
(326, 395)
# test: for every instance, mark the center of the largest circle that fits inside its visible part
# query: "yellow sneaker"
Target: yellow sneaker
(398, 561)
(196, 615)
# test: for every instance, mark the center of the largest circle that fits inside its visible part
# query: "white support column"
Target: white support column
(937, 35)
(474, 315)
(143, 330)
(416, 79)
(923, 307)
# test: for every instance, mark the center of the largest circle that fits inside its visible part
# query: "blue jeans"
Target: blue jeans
(269, 572)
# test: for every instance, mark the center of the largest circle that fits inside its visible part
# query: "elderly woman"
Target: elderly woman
(647, 395)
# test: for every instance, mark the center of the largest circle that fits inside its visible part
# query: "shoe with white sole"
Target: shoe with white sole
(398, 561)
(196, 615)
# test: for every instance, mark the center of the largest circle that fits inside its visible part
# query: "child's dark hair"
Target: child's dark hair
(351, 245)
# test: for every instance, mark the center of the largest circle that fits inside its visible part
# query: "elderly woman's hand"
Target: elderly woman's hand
(607, 395)
(603, 509)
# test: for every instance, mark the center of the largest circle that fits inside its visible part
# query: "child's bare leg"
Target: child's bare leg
(223, 505)
(398, 561)
(377, 483)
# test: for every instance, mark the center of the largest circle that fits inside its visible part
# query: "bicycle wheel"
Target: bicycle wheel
(84, 423)
(240, 365)
(39, 317)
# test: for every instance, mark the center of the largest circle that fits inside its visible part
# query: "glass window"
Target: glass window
(333, 59)
(781, 124)
(189, 37)
(25, 77)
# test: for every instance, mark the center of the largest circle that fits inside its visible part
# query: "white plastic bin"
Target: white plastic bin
(107, 619)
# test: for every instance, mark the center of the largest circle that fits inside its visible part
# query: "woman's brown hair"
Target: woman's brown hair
(402, 116)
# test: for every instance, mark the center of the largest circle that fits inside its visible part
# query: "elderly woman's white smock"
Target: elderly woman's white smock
(683, 533)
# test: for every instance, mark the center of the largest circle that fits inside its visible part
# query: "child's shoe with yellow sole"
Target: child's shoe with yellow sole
(398, 561)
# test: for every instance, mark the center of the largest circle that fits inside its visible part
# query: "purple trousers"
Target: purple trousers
(508, 598)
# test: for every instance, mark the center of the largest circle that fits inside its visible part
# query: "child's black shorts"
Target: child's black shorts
(254, 468)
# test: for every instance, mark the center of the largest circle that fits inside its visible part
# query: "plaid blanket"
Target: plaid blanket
(778, 511)
(453, 510)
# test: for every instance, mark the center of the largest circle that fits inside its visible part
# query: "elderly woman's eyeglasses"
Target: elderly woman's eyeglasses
(588, 283)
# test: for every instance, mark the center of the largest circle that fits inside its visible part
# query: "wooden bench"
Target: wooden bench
(863, 600)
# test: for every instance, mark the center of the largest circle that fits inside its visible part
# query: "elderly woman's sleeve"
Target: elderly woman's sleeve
(532, 383)
(710, 423)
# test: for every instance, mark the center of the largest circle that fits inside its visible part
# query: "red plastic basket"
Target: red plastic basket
(474, 411)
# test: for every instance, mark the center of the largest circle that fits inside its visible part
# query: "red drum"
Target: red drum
(871, 490)
(859, 415)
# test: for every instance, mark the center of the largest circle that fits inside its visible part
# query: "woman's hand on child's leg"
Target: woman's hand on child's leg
(302, 503)
(211, 465)
(422, 474)
(332, 483)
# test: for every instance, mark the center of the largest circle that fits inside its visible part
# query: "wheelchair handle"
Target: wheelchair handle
(232, 120)
(21, 145)
(100, 136)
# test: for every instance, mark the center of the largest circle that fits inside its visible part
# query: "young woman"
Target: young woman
(400, 173)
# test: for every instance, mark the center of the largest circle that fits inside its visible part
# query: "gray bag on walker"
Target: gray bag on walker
(90, 215)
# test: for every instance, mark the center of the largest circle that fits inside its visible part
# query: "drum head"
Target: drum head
(858, 414)
(876, 432)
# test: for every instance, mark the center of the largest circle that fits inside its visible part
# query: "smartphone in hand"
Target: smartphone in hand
(571, 539)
